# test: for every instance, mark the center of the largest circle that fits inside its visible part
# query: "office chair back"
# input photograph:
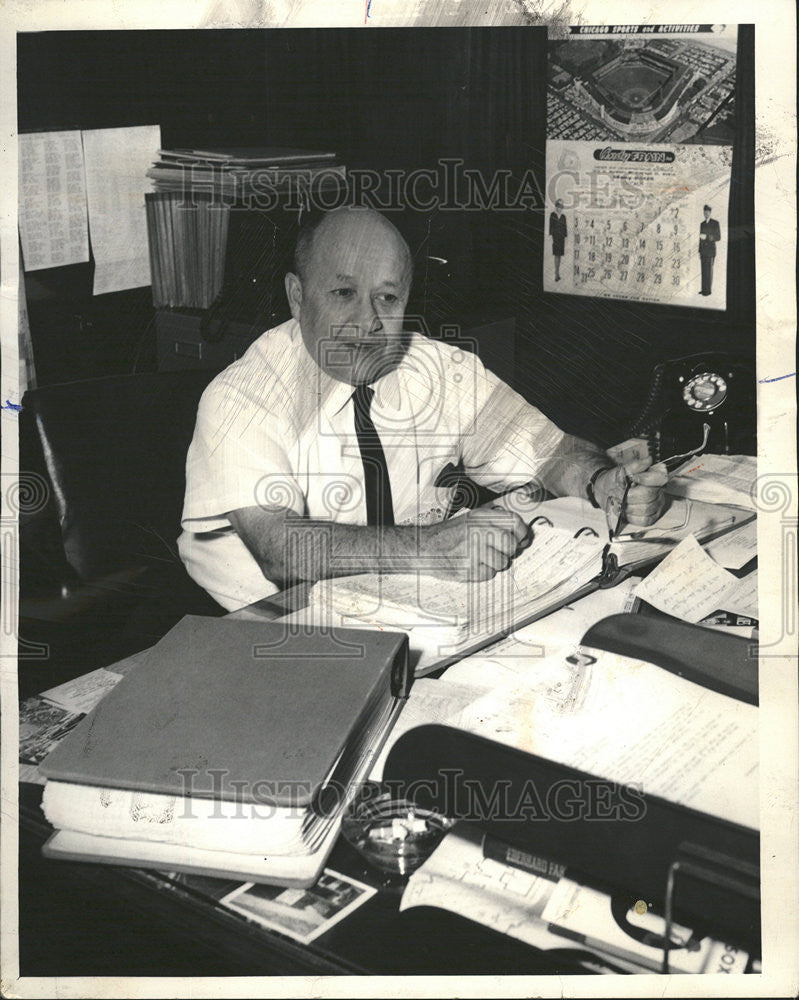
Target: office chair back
(115, 452)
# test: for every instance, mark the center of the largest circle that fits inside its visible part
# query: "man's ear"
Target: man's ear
(294, 294)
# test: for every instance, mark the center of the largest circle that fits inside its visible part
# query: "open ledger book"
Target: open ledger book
(570, 556)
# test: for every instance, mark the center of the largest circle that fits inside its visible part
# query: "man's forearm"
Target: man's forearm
(291, 549)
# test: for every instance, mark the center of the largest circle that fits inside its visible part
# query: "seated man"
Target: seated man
(317, 453)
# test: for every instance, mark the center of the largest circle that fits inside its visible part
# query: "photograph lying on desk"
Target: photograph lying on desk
(302, 914)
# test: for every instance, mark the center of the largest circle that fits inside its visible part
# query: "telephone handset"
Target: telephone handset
(712, 388)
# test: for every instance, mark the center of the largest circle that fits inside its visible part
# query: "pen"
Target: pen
(628, 483)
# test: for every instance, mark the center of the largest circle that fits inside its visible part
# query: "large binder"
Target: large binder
(231, 751)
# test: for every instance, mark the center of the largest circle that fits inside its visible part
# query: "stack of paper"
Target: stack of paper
(726, 479)
(250, 174)
(188, 241)
(188, 213)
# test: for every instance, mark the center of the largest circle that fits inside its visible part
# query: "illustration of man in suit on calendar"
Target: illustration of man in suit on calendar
(558, 231)
(709, 235)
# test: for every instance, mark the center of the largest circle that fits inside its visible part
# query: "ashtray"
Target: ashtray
(392, 833)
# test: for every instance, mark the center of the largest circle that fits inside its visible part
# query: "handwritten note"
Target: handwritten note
(83, 693)
(742, 597)
(688, 584)
(457, 877)
(736, 548)
(53, 228)
(670, 737)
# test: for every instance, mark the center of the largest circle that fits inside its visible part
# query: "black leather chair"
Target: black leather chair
(100, 575)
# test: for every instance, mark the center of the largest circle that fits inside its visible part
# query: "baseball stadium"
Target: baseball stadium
(634, 89)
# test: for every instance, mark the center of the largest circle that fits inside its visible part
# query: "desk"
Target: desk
(137, 922)
(147, 923)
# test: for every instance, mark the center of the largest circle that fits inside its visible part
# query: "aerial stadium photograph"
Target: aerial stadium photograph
(639, 88)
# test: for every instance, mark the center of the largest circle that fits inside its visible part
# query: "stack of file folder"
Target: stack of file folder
(241, 173)
(188, 213)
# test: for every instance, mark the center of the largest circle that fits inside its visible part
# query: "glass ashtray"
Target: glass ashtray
(392, 833)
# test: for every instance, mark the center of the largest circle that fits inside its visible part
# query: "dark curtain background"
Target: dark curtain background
(382, 99)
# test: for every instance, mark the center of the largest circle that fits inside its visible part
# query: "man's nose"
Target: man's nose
(370, 321)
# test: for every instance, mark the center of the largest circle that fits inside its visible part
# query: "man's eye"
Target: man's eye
(343, 293)
(389, 298)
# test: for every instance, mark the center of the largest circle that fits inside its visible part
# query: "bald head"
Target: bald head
(351, 283)
(358, 225)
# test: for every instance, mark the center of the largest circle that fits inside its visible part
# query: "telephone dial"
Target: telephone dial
(714, 389)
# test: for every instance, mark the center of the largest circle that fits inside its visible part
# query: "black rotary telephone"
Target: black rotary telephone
(713, 388)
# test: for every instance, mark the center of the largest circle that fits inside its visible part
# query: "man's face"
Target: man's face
(707, 213)
(351, 300)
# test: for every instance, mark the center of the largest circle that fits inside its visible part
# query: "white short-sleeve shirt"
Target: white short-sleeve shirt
(274, 429)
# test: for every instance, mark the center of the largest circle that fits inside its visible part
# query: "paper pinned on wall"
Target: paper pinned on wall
(116, 160)
(52, 200)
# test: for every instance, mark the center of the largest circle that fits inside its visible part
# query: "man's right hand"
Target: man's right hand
(474, 546)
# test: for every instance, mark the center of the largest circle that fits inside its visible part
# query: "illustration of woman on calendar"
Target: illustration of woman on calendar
(558, 231)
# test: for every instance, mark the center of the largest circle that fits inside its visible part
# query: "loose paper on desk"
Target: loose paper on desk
(742, 596)
(690, 585)
(736, 548)
(510, 901)
(116, 162)
(430, 702)
(716, 479)
(521, 653)
(82, 693)
(52, 200)
(632, 722)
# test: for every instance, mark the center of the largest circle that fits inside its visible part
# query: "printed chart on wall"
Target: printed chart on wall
(640, 125)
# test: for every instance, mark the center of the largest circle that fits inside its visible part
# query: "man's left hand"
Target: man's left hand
(646, 500)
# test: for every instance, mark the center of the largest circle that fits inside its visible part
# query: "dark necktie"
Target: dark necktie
(379, 505)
